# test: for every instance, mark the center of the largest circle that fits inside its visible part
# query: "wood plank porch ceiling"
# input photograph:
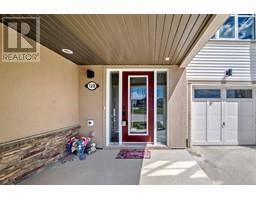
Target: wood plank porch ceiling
(122, 39)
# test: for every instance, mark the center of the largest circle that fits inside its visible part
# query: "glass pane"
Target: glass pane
(228, 28)
(161, 107)
(245, 27)
(239, 94)
(207, 93)
(138, 105)
(114, 107)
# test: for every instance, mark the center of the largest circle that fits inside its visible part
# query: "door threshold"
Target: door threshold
(137, 145)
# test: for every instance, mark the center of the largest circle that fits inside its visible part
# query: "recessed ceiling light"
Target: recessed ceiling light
(167, 59)
(67, 51)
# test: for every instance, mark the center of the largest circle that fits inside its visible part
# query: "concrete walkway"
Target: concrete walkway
(100, 168)
(172, 167)
(164, 167)
(227, 164)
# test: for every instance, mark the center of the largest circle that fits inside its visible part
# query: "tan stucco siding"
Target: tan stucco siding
(93, 103)
(37, 97)
(178, 114)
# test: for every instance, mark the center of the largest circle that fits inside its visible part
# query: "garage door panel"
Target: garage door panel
(239, 122)
(246, 138)
(245, 123)
(230, 121)
(213, 137)
(199, 123)
(213, 129)
(199, 137)
(213, 133)
(246, 133)
(199, 109)
(214, 124)
(230, 137)
(213, 108)
(231, 108)
(245, 108)
(199, 116)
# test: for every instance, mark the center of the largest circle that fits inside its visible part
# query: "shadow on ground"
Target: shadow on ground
(101, 168)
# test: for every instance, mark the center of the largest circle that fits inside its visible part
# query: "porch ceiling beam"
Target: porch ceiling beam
(210, 29)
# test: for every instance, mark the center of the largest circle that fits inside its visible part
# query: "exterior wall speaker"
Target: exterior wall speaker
(90, 73)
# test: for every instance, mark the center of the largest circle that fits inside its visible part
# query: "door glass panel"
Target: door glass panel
(138, 105)
(114, 107)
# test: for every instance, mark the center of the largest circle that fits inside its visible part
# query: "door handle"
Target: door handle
(223, 124)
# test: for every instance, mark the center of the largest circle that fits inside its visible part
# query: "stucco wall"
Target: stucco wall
(37, 97)
(178, 108)
(93, 103)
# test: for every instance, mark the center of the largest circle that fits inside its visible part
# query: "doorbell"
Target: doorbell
(90, 122)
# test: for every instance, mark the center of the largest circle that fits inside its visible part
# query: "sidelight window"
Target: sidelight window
(161, 107)
(114, 107)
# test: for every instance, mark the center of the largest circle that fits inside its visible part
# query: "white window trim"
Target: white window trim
(205, 87)
(198, 99)
(223, 89)
(238, 88)
(236, 38)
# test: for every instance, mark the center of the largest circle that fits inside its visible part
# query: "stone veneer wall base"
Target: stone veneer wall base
(23, 157)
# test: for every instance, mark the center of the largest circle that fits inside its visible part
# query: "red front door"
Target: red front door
(138, 107)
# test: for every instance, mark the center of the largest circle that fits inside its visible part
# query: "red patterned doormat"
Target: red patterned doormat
(134, 154)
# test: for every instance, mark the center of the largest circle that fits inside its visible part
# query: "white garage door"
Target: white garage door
(223, 117)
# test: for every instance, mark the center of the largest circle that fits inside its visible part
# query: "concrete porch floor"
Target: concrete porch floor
(165, 167)
(227, 164)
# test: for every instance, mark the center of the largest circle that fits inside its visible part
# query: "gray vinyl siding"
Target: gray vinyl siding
(216, 57)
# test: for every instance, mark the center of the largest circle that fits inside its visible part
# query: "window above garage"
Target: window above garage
(240, 93)
(217, 93)
(207, 93)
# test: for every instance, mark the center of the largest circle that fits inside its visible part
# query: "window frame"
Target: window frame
(236, 38)
(107, 89)
(165, 114)
(253, 31)
(230, 98)
(206, 98)
(235, 25)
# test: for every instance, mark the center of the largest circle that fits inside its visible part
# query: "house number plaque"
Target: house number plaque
(91, 85)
